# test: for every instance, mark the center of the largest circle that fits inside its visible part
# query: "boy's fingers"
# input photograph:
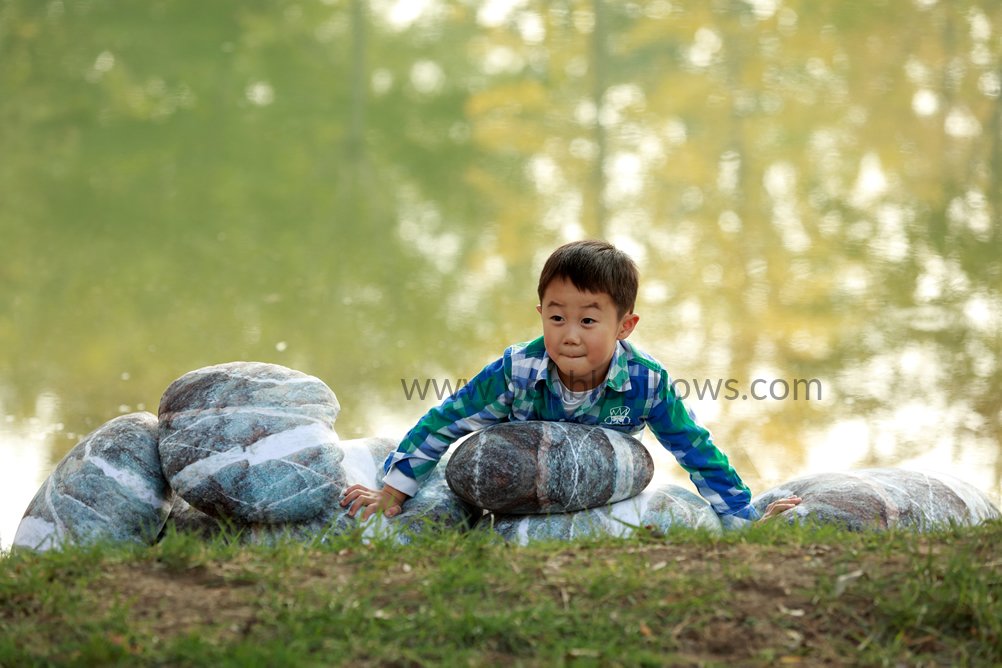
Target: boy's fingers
(351, 496)
(391, 511)
(782, 505)
(369, 511)
(358, 504)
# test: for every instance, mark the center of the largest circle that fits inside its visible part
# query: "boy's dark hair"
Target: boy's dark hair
(593, 266)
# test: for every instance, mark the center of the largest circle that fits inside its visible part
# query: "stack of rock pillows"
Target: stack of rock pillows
(251, 447)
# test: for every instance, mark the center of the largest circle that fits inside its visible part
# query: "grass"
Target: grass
(774, 594)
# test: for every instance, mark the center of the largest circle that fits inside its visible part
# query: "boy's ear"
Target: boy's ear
(627, 326)
(539, 309)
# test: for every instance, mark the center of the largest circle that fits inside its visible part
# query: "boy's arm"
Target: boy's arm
(483, 401)
(715, 479)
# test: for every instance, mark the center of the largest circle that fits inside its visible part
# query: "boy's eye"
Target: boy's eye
(589, 321)
(557, 318)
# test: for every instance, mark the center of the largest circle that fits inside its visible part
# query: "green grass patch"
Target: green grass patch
(772, 594)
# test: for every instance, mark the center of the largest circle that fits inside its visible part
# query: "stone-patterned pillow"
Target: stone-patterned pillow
(882, 499)
(108, 487)
(252, 442)
(548, 467)
(657, 508)
(434, 504)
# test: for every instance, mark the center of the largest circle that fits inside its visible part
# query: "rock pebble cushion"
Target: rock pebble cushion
(433, 506)
(658, 509)
(882, 499)
(252, 443)
(108, 487)
(548, 467)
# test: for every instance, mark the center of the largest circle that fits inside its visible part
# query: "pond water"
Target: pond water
(366, 192)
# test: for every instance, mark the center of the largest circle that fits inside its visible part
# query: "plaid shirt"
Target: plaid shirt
(523, 385)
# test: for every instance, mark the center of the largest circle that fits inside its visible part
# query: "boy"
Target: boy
(581, 370)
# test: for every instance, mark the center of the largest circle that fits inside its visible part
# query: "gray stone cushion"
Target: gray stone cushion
(252, 442)
(548, 467)
(883, 498)
(433, 505)
(658, 508)
(108, 487)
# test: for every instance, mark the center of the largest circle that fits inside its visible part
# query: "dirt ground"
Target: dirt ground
(773, 606)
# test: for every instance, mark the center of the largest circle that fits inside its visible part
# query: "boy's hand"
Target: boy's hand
(780, 506)
(387, 499)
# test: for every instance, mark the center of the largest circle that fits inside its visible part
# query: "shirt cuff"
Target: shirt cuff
(398, 480)
(748, 513)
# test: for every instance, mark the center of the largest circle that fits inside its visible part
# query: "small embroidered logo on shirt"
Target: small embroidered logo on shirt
(618, 415)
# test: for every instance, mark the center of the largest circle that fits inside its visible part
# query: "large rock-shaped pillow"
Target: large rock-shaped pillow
(108, 487)
(548, 467)
(433, 506)
(882, 499)
(658, 508)
(252, 442)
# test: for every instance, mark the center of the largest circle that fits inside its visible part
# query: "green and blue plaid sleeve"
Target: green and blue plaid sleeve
(690, 443)
(483, 401)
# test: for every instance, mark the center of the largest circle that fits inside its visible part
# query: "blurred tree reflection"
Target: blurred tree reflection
(366, 192)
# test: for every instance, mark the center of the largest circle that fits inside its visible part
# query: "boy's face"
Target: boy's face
(580, 331)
